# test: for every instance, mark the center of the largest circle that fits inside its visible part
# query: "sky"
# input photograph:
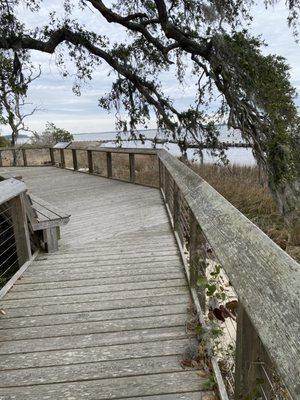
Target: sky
(57, 103)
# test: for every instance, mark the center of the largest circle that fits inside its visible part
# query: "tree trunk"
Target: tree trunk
(14, 135)
(288, 199)
(287, 196)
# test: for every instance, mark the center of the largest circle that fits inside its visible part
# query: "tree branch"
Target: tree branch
(111, 16)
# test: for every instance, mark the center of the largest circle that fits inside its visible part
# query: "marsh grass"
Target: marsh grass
(248, 192)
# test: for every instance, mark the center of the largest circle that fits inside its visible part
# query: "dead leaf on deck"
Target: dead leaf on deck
(210, 396)
(202, 373)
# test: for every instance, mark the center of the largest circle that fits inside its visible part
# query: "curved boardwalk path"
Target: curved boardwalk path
(104, 317)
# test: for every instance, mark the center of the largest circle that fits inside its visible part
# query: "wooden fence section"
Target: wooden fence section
(123, 164)
(15, 248)
(209, 230)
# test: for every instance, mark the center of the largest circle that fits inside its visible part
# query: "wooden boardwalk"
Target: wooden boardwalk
(105, 316)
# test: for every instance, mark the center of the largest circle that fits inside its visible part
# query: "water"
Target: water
(239, 156)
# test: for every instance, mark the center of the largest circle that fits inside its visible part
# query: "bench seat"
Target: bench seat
(43, 216)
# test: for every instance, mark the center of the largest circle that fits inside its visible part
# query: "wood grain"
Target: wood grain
(266, 279)
(104, 317)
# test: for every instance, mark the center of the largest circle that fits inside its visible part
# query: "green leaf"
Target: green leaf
(211, 290)
(217, 332)
(210, 383)
(199, 329)
(216, 271)
(202, 281)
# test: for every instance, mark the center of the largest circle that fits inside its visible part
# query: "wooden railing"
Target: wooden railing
(122, 164)
(265, 278)
(211, 232)
(15, 248)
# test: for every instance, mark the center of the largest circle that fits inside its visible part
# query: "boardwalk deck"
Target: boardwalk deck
(105, 316)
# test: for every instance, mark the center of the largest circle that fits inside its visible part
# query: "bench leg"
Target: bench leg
(51, 239)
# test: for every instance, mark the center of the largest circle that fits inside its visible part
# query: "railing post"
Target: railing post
(20, 227)
(14, 156)
(62, 158)
(52, 155)
(159, 173)
(176, 206)
(24, 157)
(248, 375)
(1, 163)
(75, 163)
(166, 186)
(109, 164)
(132, 167)
(90, 161)
(197, 258)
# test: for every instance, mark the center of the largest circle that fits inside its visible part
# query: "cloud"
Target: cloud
(82, 114)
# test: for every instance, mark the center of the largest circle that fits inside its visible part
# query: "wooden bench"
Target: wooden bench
(42, 216)
(46, 218)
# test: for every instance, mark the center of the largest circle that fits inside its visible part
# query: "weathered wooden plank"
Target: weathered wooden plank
(92, 315)
(44, 205)
(74, 157)
(20, 228)
(95, 354)
(248, 371)
(90, 327)
(141, 385)
(90, 161)
(118, 249)
(205, 395)
(11, 188)
(94, 267)
(62, 158)
(116, 287)
(142, 258)
(94, 306)
(24, 157)
(24, 286)
(89, 263)
(109, 164)
(51, 239)
(91, 371)
(64, 275)
(69, 299)
(52, 158)
(88, 340)
(132, 167)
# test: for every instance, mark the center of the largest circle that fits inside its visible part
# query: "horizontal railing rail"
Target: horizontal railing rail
(211, 232)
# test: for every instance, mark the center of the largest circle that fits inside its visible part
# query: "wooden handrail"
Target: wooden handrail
(102, 149)
(11, 188)
(266, 278)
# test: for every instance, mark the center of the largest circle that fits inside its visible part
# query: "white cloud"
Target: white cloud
(81, 114)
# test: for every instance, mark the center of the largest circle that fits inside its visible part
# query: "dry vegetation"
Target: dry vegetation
(248, 192)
